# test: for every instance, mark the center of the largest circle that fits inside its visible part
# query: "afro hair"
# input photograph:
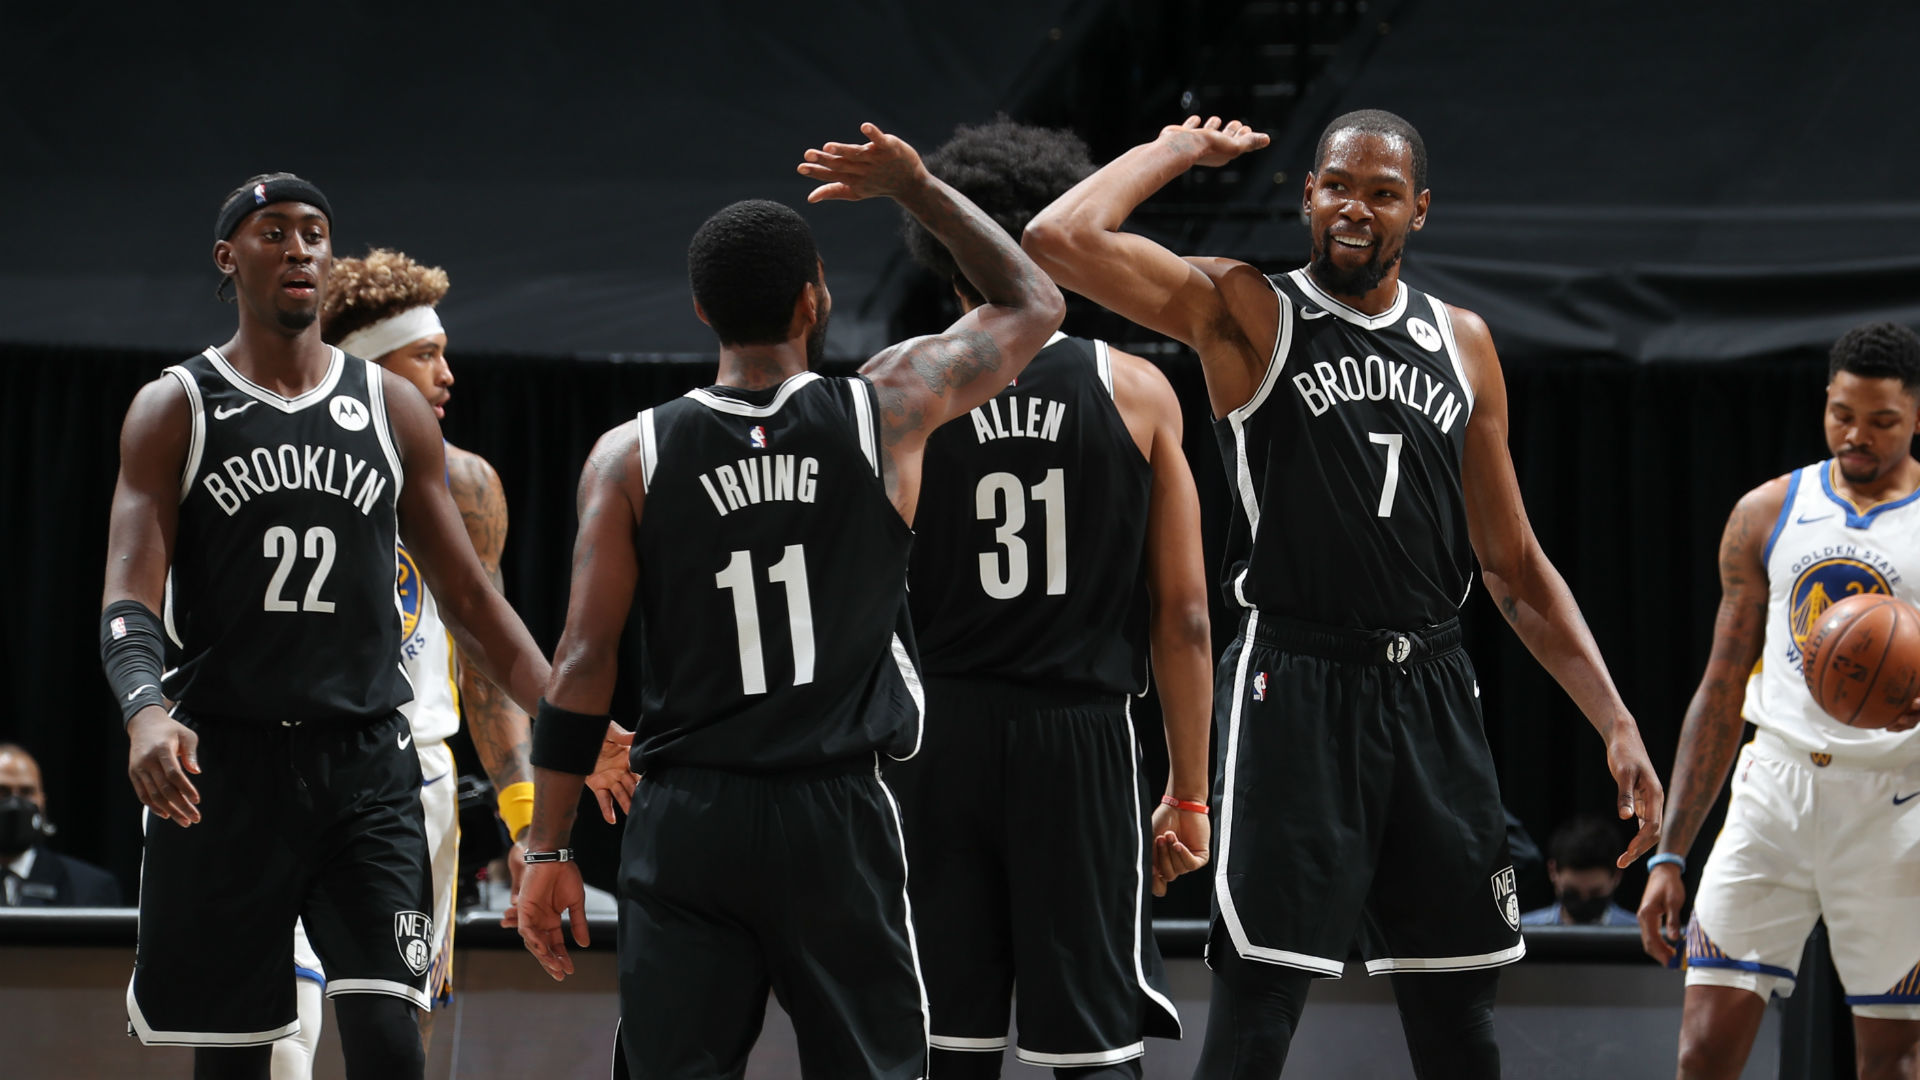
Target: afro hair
(1011, 171)
(747, 264)
(361, 292)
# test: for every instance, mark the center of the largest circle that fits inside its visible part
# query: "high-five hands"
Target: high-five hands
(1212, 142)
(883, 167)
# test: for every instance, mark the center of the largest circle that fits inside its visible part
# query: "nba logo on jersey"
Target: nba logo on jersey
(1260, 686)
(757, 437)
(119, 628)
(260, 194)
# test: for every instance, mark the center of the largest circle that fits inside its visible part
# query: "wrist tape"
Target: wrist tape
(130, 651)
(567, 741)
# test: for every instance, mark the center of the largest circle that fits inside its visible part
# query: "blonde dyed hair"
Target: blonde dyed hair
(363, 291)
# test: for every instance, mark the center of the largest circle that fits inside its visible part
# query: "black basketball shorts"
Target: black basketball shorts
(1356, 797)
(732, 884)
(1026, 822)
(318, 821)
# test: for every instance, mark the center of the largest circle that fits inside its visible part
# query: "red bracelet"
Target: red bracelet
(1182, 804)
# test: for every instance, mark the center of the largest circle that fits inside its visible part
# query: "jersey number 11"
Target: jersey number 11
(790, 571)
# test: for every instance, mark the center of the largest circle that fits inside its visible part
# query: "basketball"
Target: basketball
(1863, 660)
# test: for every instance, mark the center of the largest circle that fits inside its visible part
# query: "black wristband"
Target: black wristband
(130, 650)
(565, 741)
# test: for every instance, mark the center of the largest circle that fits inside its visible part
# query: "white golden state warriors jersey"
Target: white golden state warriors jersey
(1822, 550)
(426, 652)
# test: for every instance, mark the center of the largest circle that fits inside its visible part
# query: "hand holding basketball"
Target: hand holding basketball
(1862, 662)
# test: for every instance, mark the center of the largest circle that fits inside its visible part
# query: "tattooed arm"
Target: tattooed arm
(499, 728)
(1532, 594)
(1710, 735)
(927, 381)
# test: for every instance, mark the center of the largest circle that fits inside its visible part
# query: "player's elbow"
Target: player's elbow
(1050, 240)
(1046, 305)
(1183, 622)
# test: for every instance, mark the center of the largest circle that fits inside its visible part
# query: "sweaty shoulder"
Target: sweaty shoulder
(1144, 397)
(160, 415)
(1763, 504)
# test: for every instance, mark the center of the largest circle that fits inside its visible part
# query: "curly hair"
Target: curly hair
(1881, 350)
(361, 292)
(1011, 171)
(1376, 122)
(747, 264)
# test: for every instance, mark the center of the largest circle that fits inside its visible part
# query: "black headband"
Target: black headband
(281, 189)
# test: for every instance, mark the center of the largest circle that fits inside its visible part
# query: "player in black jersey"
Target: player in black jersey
(1364, 429)
(263, 485)
(761, 525)
(1058, 533)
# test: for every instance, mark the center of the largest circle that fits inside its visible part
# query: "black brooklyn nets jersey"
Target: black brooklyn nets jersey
(1028, 537)
(280, 600)
(772, 577)
(1345, 466)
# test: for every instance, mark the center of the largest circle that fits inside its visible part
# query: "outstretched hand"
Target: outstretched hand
(1213, 142)
(1640, 793)
(884, 166)
(612, 780)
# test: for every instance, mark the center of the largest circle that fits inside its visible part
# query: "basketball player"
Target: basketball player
(382, 307)
(1057, 541)
(1819, 823)
(762, 524)
(264, 486)
(1364, 428)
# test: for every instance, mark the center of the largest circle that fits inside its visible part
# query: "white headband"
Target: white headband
(376, 341)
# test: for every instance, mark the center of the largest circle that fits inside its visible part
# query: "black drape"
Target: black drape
(1629, 473)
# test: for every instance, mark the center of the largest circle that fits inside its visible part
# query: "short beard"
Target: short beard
(817, 342)
(1867, 477)
(297, 320)
(1358, 281)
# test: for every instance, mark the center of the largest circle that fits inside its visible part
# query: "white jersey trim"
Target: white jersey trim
(910, 675)
(1444, 319)
(382, 428)
(863, 409)
(740, 408)
(336, 987)
(1347, 313)
(335, 365)
(197, 438)
(1097, 1057)
(1447, 963)
(1103, 365)
(1236, 422)
(166, 618)
(649, 449)
(1141, 826)
(913, 942)
(954, 1042)
(137, 1020)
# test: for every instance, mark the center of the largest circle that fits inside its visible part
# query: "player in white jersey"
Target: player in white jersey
(382, 307)
(1824, 821)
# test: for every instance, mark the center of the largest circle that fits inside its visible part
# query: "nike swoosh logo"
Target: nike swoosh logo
(1898, 799)
(223, 412)
(436, 779)
(135, 692)
(1310, 313)
(1805, 520)
(406, 740)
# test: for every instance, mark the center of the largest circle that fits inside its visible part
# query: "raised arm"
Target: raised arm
(140, 534)
(606, 570)
(929, 380)
(484, 626)
(1180, 630)
(1710, 735)
(1533, 596)
(1222, 309)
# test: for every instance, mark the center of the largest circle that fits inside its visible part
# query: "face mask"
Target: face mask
(21, 824)
(1585, 909)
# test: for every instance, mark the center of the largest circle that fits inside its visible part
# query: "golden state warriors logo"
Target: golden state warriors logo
(409, 588)
(1824, 584)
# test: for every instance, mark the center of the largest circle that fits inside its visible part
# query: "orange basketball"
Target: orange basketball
(1863, 660)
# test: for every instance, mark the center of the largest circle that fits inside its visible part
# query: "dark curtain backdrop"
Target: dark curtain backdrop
(1629, 472)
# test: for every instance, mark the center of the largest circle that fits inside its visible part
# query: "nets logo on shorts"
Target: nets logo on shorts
(1506, 897)
(413, 936)
(409, 588)
(1824, 584)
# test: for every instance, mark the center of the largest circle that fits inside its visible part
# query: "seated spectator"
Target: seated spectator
(37, 876)
(1580, 863)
